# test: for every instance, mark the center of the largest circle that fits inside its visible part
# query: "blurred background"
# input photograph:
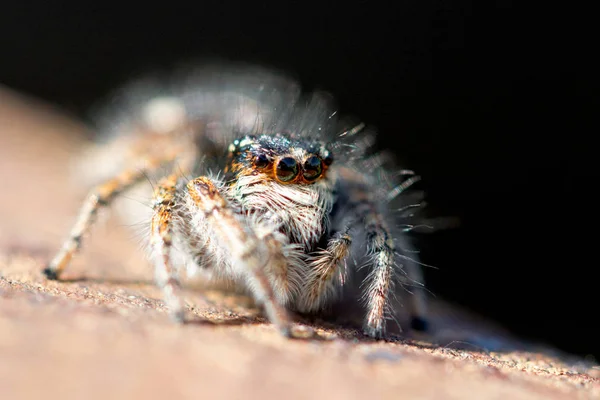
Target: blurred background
(491, 103)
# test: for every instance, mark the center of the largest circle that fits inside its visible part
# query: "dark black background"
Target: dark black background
(491, 104)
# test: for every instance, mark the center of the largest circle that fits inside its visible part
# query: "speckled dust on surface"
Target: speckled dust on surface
(106, 335)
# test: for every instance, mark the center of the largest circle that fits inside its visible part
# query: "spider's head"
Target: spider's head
(280, 158)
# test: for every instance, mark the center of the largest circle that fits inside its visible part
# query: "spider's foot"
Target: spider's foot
(374, 332)
(285, 331)
(50, 273)
(177, 316)
(301, 332)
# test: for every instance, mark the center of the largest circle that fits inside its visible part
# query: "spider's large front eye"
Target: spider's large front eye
(261, 161)
(287, 169)
(312, 168)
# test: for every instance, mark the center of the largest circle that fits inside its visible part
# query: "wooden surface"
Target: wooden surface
(106, 335)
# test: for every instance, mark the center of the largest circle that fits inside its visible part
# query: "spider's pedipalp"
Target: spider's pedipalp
(285, 268)
(326, 273)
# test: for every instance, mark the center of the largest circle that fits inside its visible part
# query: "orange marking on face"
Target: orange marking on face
(269, 172)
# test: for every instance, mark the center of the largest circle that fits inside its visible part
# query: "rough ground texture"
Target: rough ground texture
(105, 333)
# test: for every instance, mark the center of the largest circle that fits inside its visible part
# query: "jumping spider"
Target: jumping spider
(263, 186)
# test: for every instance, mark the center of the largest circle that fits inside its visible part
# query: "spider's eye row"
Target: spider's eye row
(328, 158)
(312, 168)
(261, 161)
(287, 169)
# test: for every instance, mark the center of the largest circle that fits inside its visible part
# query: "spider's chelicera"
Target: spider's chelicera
(270, 192)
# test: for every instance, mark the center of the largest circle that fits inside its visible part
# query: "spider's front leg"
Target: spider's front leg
(101, 196)
(249, 256)
(161, 241)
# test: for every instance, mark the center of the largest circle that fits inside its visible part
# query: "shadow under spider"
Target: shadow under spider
(196, 319)
(232, 321)
(343, 321)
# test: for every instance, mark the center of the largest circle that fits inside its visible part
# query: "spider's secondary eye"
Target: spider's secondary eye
(261, 161)
(328, 158)
(312, 168)
(287, 169)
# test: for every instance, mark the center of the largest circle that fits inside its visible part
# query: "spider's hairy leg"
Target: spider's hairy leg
(380, 247)
(383, 254)
(383, 275)
(325, 266)
(99, 197)
(161, 240)
(247, 252)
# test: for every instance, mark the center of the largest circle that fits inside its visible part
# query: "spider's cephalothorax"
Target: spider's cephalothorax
(285, 181)
(277, 213)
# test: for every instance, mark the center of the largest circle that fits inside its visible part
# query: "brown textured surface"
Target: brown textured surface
(108, 336)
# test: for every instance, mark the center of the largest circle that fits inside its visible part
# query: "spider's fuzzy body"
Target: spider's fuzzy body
(263, 186)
